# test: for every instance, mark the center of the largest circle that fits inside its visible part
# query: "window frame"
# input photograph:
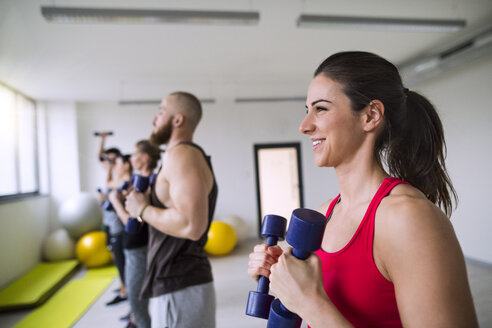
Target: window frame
(36, 192)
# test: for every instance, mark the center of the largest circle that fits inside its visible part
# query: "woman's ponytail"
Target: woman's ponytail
(416, 153)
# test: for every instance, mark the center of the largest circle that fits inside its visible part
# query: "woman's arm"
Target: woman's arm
(116, 200)
(416, 248)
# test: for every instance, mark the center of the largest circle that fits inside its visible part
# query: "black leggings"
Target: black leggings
(115, 245)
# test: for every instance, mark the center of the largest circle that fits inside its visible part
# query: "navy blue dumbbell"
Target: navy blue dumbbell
(97, 134)
(140, 184)
(305, 233)
(259, 301)
(106, 205)
(152, 178)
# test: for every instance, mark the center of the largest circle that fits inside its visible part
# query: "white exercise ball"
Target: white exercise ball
(59, 246)
(240, 227)
(80, 214)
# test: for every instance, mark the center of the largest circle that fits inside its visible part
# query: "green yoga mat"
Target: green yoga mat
(37, 285)
(108, 271)
(67, 305)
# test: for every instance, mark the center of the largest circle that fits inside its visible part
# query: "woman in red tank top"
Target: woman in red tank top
(389, 256)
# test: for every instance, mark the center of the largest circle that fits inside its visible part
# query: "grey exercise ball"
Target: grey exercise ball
(59, 246)
(80, 214)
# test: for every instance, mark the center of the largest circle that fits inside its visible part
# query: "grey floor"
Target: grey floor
(232, 286)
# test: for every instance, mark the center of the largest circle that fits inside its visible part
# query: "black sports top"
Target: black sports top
(176, 263)
(136, 240)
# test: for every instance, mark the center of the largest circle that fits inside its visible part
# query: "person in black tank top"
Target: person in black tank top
(144, 160)
(179, 212)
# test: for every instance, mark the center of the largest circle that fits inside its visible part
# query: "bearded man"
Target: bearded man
(178, 277)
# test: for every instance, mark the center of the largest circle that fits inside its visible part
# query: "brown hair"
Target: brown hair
(144, 146)
(411, 143)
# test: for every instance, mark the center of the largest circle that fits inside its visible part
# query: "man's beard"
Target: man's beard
(162, 135)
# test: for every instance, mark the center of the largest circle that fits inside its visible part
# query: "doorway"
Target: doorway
(278, 179)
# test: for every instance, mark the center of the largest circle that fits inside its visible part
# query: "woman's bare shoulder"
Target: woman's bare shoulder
(407, 214)
(405, 198)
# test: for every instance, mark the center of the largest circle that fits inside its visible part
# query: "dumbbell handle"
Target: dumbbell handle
(97, 134)
(259, 301)
(301, 255)
(264, 282)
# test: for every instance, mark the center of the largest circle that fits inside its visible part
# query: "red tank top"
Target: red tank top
(351, 279)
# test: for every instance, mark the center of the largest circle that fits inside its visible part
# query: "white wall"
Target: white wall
(24, 226)
(62, 154)
(63, 149)
(227, 132)
(129, 124)
(463, 98)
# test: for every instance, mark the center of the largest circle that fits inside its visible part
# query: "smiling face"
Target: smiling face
(139, 160)
(335, 130)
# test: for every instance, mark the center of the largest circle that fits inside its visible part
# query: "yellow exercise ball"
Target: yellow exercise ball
(221, 238)
(92, 251)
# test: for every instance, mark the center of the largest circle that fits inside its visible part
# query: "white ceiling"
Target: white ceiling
(83, 62)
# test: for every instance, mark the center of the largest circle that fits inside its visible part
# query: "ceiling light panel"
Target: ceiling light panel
(147, 16)
(388, 24)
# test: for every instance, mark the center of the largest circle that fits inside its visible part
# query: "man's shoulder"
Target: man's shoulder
(186, 152)
(186, 157)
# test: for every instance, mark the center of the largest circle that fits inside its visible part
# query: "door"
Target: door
(278, 179)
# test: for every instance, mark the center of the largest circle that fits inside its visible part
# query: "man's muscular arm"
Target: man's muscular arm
(187, 182)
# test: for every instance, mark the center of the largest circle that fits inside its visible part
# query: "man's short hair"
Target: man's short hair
(189, 105)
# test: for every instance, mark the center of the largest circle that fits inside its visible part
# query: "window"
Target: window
(18, 150)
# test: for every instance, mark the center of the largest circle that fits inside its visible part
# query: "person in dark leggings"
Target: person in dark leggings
(116, 229)
(117, 169)
(144, 160)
